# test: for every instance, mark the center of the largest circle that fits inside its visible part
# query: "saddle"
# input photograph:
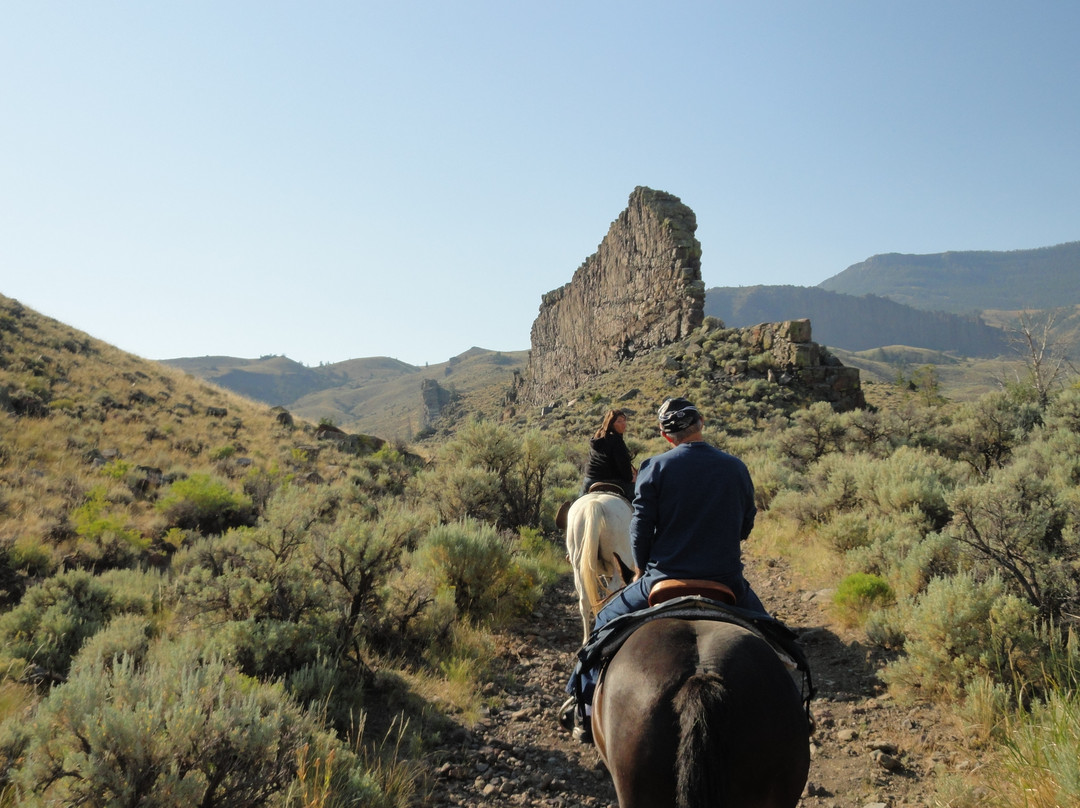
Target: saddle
(607, 488)
(670, 588)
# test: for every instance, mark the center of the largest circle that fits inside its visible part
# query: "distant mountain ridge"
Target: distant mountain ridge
(962, 282)
(375, 395)
(855, 323)
(952, 302)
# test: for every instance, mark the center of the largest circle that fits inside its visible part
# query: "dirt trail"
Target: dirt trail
(866, 751)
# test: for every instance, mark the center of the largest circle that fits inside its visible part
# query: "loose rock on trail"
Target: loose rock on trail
(866, 750)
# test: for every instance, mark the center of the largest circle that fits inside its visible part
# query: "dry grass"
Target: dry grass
(812, 560)
(78, 416)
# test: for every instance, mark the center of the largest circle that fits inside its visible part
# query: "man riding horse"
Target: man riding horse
(693, 507)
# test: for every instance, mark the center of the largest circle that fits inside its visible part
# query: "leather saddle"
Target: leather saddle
(607, 488)
(678, 587)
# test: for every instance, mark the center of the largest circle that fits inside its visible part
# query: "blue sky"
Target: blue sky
(332, 180)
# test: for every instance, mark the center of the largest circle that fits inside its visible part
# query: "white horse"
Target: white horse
(598, 543)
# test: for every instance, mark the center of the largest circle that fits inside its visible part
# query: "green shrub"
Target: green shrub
(63, 404)
(867, 431)
(900, 549)
(308, 582)
(1017, 525)
(829, 487)
(985, 432)
(909, 479)
(1065, 409)
(223, 452)
(489, 472)
(860, 593)
(474, 561)
(201, 502)
(847, 531)
(771, 475)
(815, 432)
(325, 688)
(99, 523)
(55, 618)
(175, 732)
(961, 629)
(126, 635)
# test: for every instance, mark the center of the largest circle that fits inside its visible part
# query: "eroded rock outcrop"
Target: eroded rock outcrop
(640, 290)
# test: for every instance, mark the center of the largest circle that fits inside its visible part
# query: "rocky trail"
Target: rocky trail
(867, 752)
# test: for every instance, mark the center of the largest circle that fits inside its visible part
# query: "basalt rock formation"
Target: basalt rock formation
(640, 290)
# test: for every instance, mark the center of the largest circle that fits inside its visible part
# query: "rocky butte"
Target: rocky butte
(642, 290)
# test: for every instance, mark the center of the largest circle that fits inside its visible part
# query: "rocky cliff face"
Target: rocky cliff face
(640, 290)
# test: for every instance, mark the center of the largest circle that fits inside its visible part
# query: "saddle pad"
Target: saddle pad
(606, 641)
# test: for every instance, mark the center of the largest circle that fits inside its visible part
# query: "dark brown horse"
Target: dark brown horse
(695, 713)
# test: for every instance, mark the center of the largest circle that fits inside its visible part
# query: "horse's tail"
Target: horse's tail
(592, 525)
(699, 781)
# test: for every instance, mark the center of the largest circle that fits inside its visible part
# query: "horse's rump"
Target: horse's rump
(597, 530)
(693, 713)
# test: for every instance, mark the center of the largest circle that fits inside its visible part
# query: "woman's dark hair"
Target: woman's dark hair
(608, 426)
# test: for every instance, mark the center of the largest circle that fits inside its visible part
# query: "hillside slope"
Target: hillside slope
(78, 415)
(375, 395)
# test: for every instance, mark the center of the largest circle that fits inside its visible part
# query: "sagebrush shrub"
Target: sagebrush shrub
(54, 618)
(1016, 525)
(908, 479)
(846, 532)
(959, 629)
(474, 561)
(174, 731)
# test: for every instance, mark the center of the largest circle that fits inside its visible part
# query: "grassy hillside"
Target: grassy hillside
(78, 415)
(198, 599)
(375, 395)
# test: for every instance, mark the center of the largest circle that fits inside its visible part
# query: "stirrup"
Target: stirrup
(566, 714)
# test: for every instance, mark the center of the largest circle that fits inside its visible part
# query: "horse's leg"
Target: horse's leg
(634, 723)
(584, 607)
(625, 572)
